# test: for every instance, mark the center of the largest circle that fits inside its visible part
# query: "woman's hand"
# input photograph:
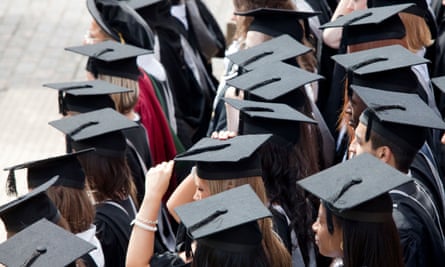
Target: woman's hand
(223, 135)
(157, 179)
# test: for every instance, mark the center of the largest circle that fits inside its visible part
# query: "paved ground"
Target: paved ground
(33, 35)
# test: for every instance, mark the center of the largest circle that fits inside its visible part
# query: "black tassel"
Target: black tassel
(11, 186)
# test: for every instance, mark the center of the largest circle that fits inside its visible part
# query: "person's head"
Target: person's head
(226, 229)
(355, 215)
(68, 192)
(227, 164)
(107, 172)
(394, 126)
(30, 208)
(391, 150)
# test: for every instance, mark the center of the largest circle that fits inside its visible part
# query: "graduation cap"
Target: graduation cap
(276, 82)
(226, 221)
(421, 9)
(100, 129)
(226, 159)
(275, 22)
(399, 117)
(121, 22)
(111, 58)
(261, 118)
(67, 167)
(86, 96)
(386, 67)
(43, 244)
(372, 24)
(280, 48)
(356, 189)
(27, 209)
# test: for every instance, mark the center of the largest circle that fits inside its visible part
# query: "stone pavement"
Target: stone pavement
(33, 35)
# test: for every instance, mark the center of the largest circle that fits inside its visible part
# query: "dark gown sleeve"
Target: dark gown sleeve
(282, 229)
(167, 259)
(113, 231)
(419, 238)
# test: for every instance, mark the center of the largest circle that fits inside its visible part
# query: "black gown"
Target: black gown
(113, 231)
(192, 101)
(138, 157)
(419, 237)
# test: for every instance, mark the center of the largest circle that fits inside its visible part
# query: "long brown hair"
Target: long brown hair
(74, 205)
(109, 178)
(274, 249)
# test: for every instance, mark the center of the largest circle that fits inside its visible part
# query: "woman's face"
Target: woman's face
(202, 188)
(328, 244)
(357, 4)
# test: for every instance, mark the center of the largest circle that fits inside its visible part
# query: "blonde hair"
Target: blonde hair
(124, 102)
(275, 251)
(418, 34)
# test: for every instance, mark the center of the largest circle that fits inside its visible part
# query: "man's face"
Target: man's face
(359, 145)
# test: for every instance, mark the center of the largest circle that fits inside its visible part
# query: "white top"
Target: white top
(90, 236)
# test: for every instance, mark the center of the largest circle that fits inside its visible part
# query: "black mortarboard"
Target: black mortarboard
(372, 24)
(386, 67)
(67, 167)
(275, 22)
(379, 59)
(261, 118)
(439, 82)
(355, 189)
(100, 129)
(86, 96)
(112, 58)
(226, 159)
(280, 48)
(43, 244)
(226, 221)
(399, 117)
(421, 9)
(278, 82)
(27, 209)
(121, 22)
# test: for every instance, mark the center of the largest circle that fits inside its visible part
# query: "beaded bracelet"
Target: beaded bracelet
(146, 221)
(144, 226)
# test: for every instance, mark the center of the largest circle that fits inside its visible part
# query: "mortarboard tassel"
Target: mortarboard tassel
(11, 185)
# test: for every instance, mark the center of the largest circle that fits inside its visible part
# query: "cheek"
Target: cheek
(328, 245)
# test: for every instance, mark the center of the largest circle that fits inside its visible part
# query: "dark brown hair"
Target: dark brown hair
(109, 178)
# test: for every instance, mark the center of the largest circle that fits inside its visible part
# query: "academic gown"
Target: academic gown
(138, 157)
(113, 231)
(191, 99)
(418, 234)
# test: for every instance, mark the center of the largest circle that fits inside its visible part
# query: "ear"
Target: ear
(384, 153)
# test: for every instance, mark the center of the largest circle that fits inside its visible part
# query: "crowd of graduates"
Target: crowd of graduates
(321, 144)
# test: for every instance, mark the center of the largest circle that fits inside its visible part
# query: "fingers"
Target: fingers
(223, 135)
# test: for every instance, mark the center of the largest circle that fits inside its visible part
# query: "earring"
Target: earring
(341, 245)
